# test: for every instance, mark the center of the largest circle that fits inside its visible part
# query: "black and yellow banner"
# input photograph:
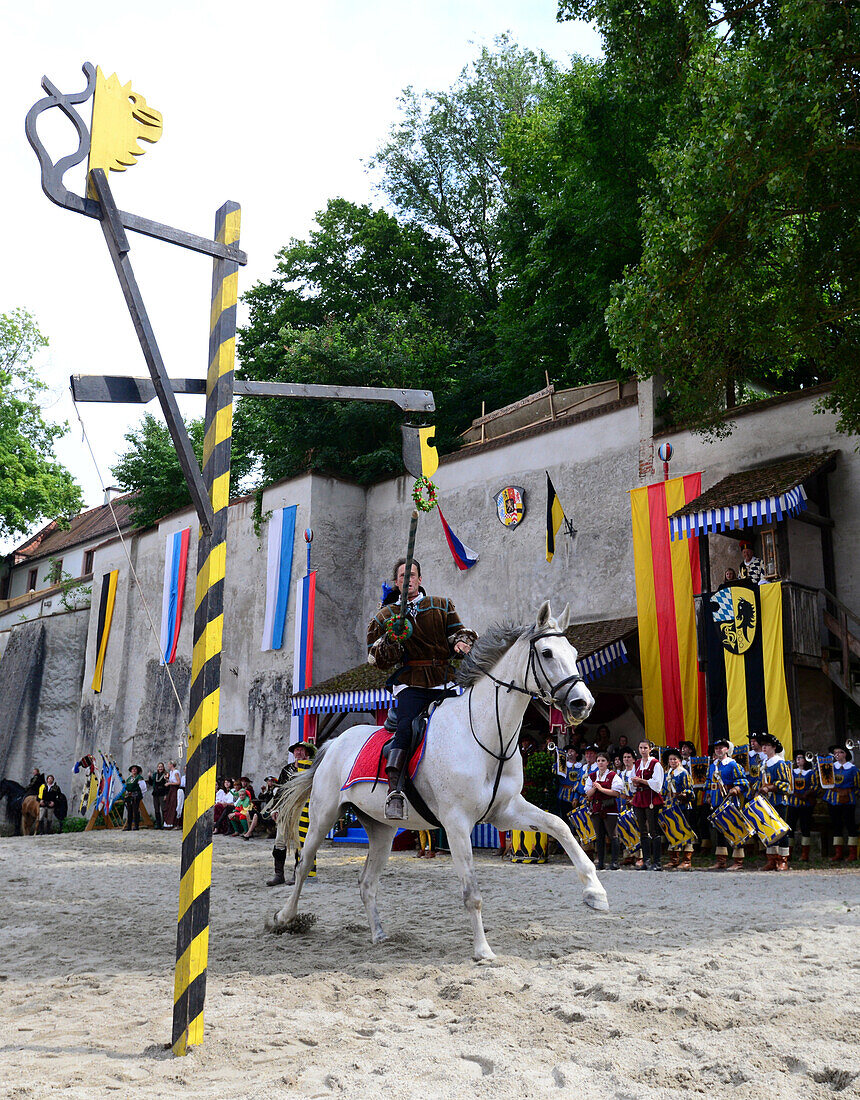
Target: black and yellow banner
(554, 517)
(107, 599)
(746, 672)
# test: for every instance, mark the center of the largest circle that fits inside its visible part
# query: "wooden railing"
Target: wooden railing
(836, 617)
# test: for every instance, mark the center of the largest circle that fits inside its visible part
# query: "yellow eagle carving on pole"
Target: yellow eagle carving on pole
(121, 118)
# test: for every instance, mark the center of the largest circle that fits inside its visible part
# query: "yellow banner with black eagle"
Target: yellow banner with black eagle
(747, 693)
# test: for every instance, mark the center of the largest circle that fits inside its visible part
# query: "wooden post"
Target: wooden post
(192, 933)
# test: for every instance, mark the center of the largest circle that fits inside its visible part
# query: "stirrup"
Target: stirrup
(395, 806)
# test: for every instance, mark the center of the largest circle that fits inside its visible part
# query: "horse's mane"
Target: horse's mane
(489, 649)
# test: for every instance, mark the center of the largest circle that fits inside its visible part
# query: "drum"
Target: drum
(580, 820)
(729, 819)
(766, 822)
(628, 830)
(675, 826)
(528, 846)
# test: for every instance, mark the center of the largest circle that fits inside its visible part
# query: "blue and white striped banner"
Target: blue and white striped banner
(602, 660)
(279, 568)
(485, 836)
(737, 516)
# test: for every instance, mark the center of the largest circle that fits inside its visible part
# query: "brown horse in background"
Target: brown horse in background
(22, 809)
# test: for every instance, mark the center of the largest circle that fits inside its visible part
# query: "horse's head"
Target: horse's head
(552, 666)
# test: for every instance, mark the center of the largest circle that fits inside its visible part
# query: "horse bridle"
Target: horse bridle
(547, 695)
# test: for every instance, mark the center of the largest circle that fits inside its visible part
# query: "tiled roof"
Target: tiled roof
(96, 523)
(764, 481)
(364, 677)
(590, 637)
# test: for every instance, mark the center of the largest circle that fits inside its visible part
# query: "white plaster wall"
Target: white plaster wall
(592, 465)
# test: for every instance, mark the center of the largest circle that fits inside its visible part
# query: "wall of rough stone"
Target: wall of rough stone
(45, 735)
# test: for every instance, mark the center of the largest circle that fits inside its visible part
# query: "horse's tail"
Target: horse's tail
(297, 793)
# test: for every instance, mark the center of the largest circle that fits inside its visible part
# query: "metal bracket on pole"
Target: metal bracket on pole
(119, 248)
(97, 387)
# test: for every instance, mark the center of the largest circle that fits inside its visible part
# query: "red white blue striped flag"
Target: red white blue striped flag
(303, 650)
(175, 567)
(463, 555)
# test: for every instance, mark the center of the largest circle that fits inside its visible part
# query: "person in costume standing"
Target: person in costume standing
(841, 803)
(158, 782)
(303, 755)
(422, 664)
(776, 785)
(725, 777)
(628, 770)
(570, 781)
(801, 802)
(647, 784)
(679, 788)
(174, 780)
(135, 789)
(751, 568)
(52, 806)
(602, 791)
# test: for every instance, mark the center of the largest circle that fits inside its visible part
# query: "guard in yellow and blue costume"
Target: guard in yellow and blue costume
(725, 777)
(776, 785)
(841, 803)
(800, 803)
(678, 790)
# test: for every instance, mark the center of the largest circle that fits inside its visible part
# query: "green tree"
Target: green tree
(441, 165)
(33, 485)
(574, 165)
(749, 274)
(381, 347)
(150, 469)
(365, 300)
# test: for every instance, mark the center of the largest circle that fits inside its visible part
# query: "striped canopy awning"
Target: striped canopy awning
(735, 517)
(339, 702)
(747, 498)
(602, 660)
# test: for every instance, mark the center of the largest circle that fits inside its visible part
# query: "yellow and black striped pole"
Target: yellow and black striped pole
(192, 934)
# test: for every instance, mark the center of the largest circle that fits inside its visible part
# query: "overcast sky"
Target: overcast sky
(274, 105)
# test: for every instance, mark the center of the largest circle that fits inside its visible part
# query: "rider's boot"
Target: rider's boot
(280, 856)
(395, 804)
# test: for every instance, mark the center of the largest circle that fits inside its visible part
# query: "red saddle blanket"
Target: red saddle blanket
(370, 763)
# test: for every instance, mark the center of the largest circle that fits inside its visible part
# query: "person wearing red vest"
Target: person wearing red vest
(602, 790)
(647, 784)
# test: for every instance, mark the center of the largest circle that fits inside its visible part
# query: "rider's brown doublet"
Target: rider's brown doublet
(425, 657)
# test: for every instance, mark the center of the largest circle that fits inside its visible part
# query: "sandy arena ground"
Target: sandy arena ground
(741, 986)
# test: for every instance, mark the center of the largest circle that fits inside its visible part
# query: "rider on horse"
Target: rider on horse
(422, 663)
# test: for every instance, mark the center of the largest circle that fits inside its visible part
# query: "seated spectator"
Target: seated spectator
(240, 815)
(258, 821)
(52, 806)
(223, 803)
(730, 577)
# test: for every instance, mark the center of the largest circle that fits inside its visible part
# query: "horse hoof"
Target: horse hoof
(596, 899)
(485, 956)
(380, 937)
(270, 924)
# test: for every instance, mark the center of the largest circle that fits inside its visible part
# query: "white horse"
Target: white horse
(471, 770)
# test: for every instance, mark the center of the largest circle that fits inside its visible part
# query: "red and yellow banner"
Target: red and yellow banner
(667, 578)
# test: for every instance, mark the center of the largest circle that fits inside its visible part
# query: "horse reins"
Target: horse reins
(548, 697)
